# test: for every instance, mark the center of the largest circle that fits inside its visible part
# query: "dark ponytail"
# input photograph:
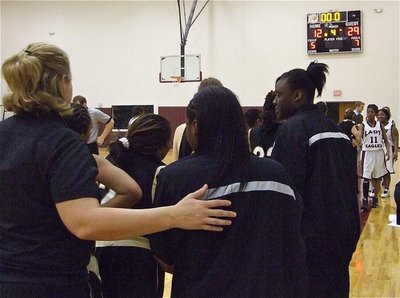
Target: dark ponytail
(147, 135)
(317, 73)
(314, 78)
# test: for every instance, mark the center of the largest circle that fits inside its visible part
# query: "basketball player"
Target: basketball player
(262, 138)
(375, 148)
(97, 117)
(263, 253)
(180, 145)
(392, 135)
(127, 267)
(319, 159)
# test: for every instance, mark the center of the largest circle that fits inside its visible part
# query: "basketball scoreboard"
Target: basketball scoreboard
(334, 32)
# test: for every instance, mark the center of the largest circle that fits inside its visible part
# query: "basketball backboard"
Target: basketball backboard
(185, 68)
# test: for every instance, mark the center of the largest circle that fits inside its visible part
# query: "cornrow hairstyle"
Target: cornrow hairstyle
(33, 77)
(147, 134)
(314, 78)
(221, 130)
(79, 120)
(386, 112)
(373, 106)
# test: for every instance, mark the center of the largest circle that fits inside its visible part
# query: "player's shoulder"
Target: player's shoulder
(182, 165)
(265, 164)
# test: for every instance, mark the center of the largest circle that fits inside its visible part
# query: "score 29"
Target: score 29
(353, 31)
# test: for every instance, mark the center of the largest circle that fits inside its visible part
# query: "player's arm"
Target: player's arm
(128, 192)
(176, 143)
(385, 140)
(87, 220)
(106, 131)
(395, 137)
(356, 134)
(360, 134)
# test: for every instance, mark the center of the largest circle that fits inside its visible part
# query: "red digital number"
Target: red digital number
(357, 42)
(312, 45)
(317, 33)
(353, 31)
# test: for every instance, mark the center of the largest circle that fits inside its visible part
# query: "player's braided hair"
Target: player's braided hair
(147, 134)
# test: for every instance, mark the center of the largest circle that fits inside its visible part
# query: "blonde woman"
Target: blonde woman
(49, 207)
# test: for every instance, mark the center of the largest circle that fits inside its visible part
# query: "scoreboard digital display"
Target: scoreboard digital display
(334, 32)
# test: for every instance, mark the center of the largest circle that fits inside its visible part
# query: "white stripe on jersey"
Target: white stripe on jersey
(247, 187)
(327, 135)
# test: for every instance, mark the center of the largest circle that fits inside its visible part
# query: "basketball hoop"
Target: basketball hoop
(177, 80)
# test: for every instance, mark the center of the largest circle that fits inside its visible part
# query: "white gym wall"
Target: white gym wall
(115, 47)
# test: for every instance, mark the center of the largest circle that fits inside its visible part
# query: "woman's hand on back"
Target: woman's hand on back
(192, 213)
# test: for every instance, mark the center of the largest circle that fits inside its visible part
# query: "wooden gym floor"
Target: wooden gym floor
(375, 266)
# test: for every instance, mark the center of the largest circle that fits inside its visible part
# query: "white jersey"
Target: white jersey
(372, 137)
(388, 128)
(390, 161)
(97, 117)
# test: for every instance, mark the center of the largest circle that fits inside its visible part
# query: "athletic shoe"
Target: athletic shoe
(385, 193)
(364, 205)
(374, 202)
(371, 193)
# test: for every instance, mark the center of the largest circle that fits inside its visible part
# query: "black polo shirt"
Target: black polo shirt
(42, 163)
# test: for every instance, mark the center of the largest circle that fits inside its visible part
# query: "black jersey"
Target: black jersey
(262, 141)
(142, 168)
(184, 148)
(127, 267)
(346, 126)
(261, 254)
(319, 159)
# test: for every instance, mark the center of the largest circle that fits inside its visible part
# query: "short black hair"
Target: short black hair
(373, 106)
(251, 116)
(79, 99)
